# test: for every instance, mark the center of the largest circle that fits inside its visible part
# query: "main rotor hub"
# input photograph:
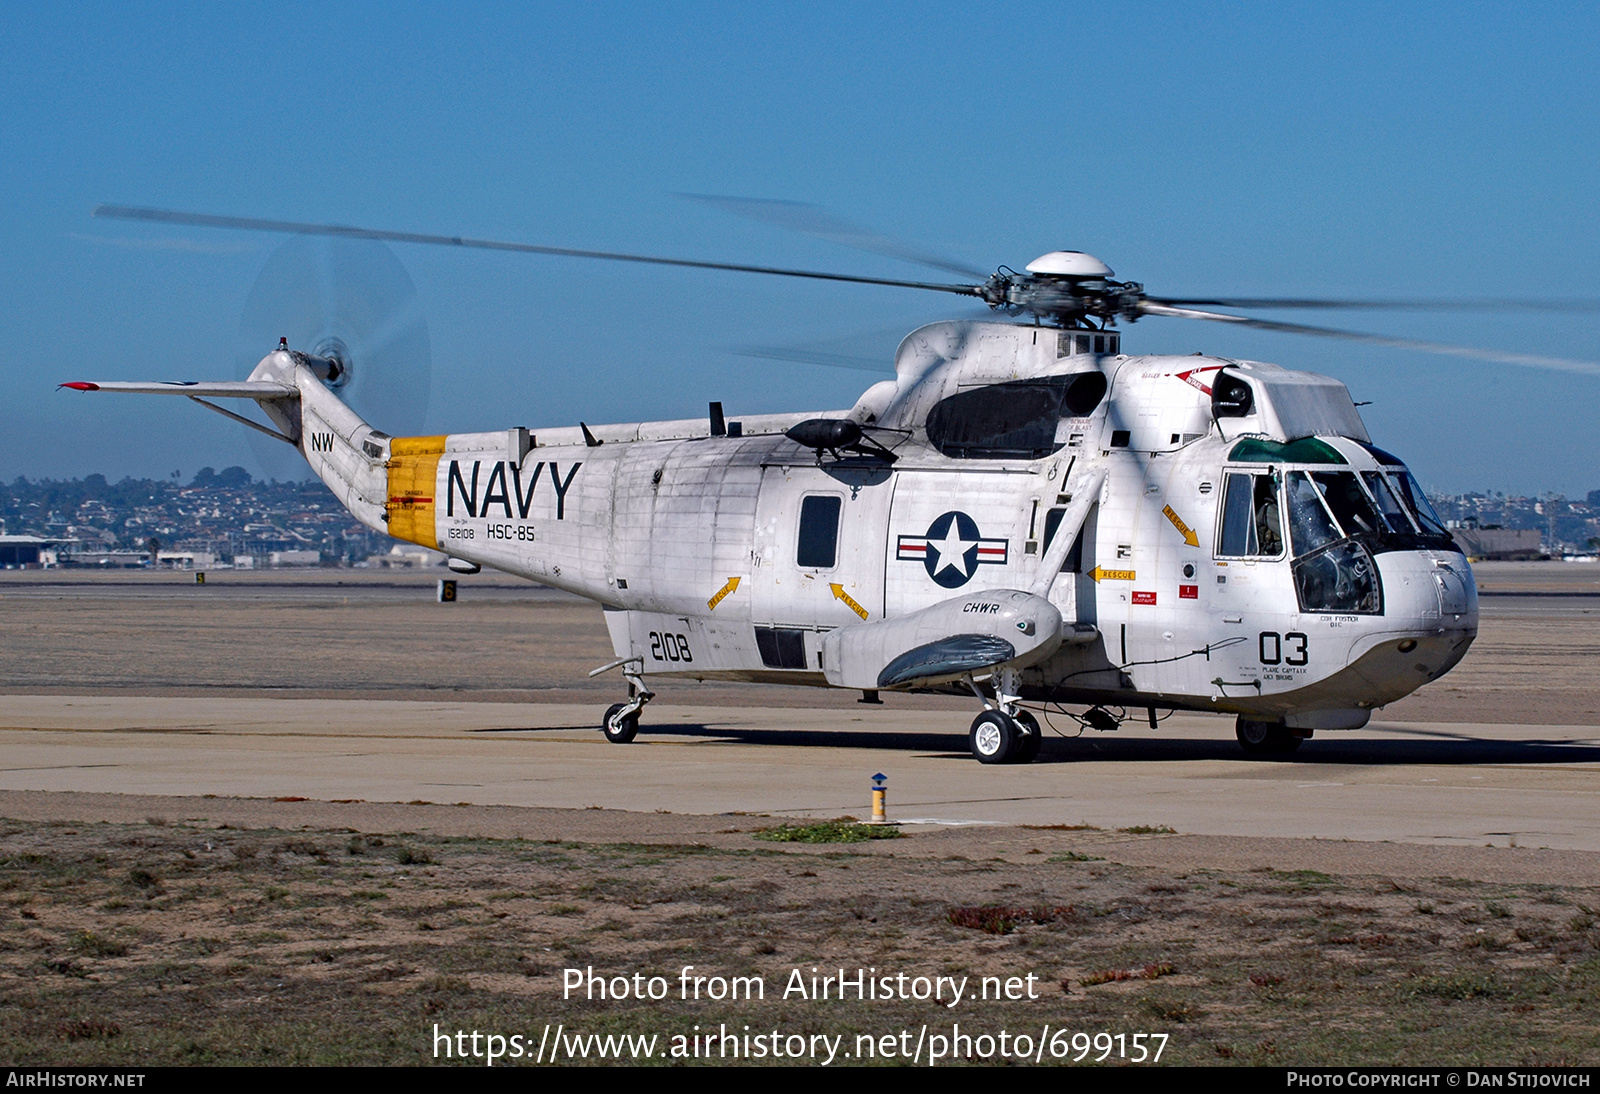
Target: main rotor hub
(1065, 288)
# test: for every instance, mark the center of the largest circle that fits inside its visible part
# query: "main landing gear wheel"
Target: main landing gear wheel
(620, 728)
(1266, 738)
(994, 738)
(1030, 739)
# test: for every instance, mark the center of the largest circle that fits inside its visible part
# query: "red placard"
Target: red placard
(1188, 592)
(1144, 598)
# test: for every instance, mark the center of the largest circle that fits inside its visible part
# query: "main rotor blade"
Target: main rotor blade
(1464, 304)
(817, 357)
(1563, 364)
(204, 220)
(799, 216)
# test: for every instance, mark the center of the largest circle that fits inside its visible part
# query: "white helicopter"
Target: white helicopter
(1024, 513)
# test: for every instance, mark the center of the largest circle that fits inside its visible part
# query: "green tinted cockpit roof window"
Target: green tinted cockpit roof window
(1305, 450)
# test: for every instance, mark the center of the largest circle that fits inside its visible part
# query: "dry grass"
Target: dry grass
(174, 943)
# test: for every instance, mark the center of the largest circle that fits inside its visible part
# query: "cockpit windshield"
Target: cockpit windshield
(1421, 509)
(1410, 492)
(1395, 518)
(1338, 520)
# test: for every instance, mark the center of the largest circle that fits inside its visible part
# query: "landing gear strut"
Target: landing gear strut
(1266, 738)
(1004, 733)
(621, 723)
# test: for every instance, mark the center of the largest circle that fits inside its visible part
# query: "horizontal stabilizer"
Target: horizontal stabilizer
(240, 389)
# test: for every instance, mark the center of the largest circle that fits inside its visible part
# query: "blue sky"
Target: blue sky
(1271, 149)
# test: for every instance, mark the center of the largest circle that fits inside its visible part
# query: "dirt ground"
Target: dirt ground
(187, 939)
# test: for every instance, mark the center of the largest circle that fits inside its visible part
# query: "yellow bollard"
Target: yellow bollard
(880, 798)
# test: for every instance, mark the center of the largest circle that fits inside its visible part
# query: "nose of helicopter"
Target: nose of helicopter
(1430, 619)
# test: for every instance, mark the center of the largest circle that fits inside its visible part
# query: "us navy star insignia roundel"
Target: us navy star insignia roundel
(952, 550)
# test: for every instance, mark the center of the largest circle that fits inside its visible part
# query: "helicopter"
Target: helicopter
(1024, 514)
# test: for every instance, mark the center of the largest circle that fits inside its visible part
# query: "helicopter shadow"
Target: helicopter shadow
(1425, 749)
(1415, 748)
(815, 738)
(1353, 752)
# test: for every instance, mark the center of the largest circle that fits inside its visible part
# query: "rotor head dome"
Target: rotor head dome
(1069, 264)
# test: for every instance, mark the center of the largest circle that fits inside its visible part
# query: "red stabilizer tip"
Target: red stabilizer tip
(82, 385)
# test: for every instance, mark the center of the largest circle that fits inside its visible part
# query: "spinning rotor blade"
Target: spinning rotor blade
(799, 216)
(865, 351)
(1252, 303)
(1563, 364)
(204, 220)
(817, 357)
(1063, 297)
(347, 298)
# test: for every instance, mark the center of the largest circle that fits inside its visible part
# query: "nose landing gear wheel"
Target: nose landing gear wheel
(1265, 738)
(620, 730)
(994, 738)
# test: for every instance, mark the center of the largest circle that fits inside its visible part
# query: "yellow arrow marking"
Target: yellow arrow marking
(733, 583)
(1183, 529)
(840, 594)
(1111, 575)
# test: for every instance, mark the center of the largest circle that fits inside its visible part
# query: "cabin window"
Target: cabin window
(1252, 526)
(1068, 343)
(781, 647)
(1409, 492)
(1073, 563)
(818, 548)
(1012, 421)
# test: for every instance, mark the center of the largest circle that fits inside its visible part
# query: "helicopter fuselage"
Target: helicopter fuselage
(1236, 542)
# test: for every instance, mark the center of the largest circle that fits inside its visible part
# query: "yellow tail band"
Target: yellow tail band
(413, 477)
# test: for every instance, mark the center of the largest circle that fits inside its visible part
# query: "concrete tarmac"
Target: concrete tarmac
(336, 685)
(1444, 784)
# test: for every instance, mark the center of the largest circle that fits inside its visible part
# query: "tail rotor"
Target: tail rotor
(352, 303)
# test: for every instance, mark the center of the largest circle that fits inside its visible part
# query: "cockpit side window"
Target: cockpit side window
(1251, 523)
(1333, 572)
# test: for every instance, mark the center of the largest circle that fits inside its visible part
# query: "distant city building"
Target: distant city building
(1499, 544)
(406, 557)
(152, 522)
(26, 552)
(294, 558)
(186, 560)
